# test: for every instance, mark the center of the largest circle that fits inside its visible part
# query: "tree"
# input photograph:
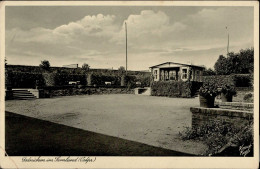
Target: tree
(209, 72)
(237, 63)
(45, 64)
(233, 64)
(121, 70)
(246, 57)
(221, 66)
(85, 67)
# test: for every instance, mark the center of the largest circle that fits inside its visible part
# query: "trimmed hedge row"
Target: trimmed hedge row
(185, 89)
(99, 79)
(238, 80)
(243, 80)
(23, 79)
(31, 80)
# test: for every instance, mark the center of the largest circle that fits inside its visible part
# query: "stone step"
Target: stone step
(24, 98)
(22, 94)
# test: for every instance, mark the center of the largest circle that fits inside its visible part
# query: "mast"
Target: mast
(126, 46)
(227, 42)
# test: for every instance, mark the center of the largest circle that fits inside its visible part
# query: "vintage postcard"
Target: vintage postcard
(129, 84)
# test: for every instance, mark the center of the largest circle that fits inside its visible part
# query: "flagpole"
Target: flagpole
(126, 46)
(227, 42)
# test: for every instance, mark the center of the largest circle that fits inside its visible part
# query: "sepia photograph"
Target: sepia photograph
(82, 82)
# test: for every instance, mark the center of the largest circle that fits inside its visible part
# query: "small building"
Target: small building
(71, 66)
(170, 71)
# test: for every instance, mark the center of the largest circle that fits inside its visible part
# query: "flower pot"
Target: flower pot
(226, 98)
(207, 102)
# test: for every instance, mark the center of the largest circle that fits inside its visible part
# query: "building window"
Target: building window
(166, 75)
(162, 75)
(155, 74)
(172, 75)
(198, 75)
(184, 74)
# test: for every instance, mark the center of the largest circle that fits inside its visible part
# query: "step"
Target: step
(23, 94)
(23, 98)
(20, 90)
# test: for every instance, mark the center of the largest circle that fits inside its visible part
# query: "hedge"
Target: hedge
(185, 89)
(61, 79)
(238, 80)
(99, 79)
(29, 80)
(243, 80)
(23, 79)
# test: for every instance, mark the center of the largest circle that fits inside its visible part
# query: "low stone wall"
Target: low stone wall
(202, 116)
(235, 105)
(87, 91)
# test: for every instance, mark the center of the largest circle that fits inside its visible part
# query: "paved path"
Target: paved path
(27, 136)
(151, 120)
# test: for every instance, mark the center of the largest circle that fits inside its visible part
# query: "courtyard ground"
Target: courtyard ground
(154, 121)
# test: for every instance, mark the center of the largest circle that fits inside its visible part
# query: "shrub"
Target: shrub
(208, 90)
(248, 98)
(219, 134)
(228, 90)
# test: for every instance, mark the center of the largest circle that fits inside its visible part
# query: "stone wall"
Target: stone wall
(202, 116)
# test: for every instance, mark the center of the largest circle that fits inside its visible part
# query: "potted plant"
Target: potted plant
(207, 94)
(227, 92)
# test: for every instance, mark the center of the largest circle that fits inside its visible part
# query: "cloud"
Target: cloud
(96, 25)
(147, 26)
(153, 37)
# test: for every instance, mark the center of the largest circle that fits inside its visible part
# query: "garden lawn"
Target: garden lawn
(155, 121)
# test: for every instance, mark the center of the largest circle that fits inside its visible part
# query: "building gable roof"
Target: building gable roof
(181, 64)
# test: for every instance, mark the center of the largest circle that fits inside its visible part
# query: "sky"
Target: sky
(96, 35)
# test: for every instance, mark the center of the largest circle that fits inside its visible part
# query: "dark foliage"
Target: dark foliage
(209, 72)
(248, 98)
(24, 80)
(243, 80)
(219, 135)
(85, 67)
(236, 63)
(174, 88)
(45, 65)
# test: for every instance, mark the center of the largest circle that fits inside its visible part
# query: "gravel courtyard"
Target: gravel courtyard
(151, 120)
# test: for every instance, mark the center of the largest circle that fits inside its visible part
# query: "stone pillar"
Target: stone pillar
(89, 79)
(123, 80)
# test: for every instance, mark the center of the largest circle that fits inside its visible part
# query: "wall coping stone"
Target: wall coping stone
(237, 104)
(223, 112)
